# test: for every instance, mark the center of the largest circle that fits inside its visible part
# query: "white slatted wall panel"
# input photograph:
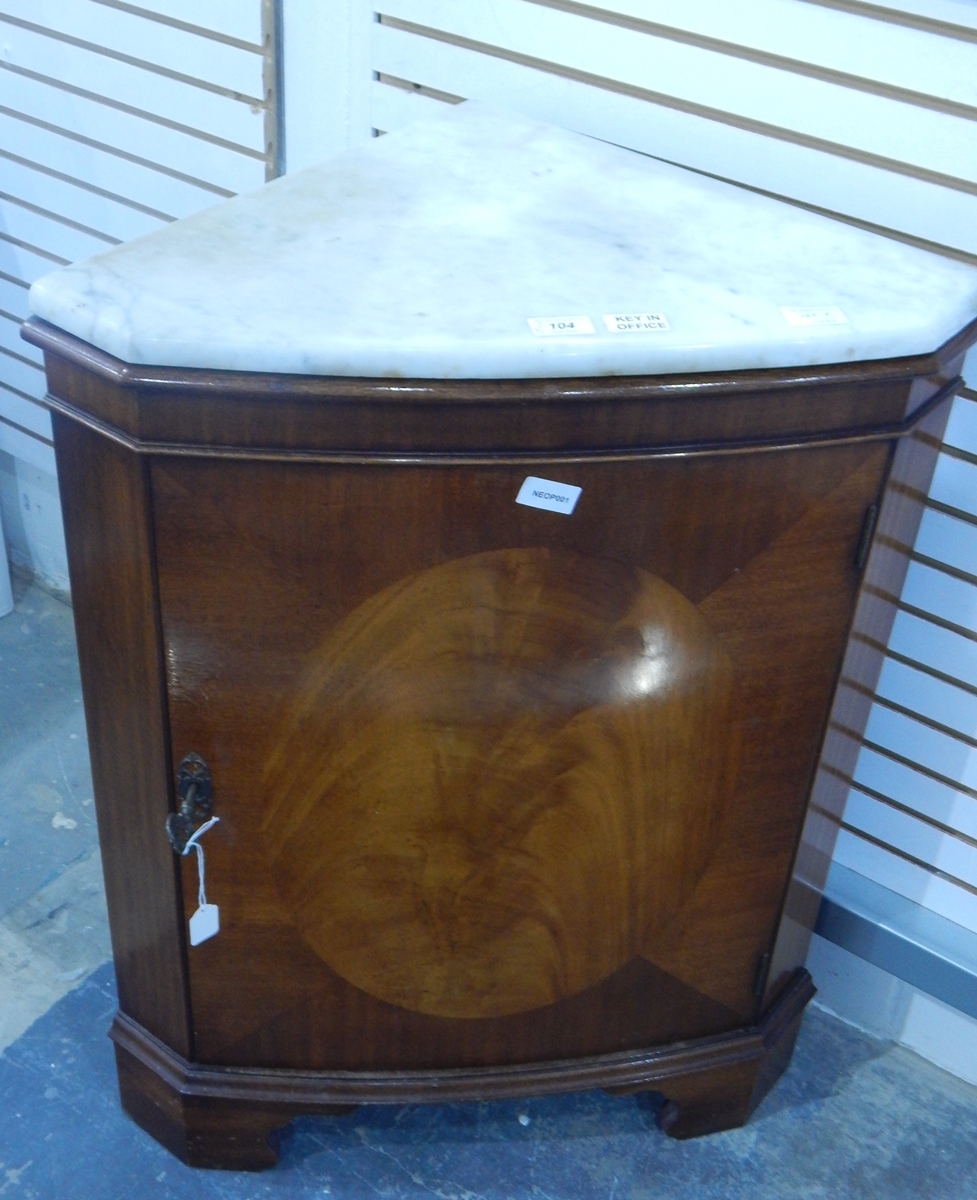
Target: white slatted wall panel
(864, 118)
(866, 111)
(114, 119)
(911, 818)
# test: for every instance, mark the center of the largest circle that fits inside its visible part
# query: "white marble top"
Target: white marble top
(428, 253)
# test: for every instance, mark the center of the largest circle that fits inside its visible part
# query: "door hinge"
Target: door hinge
(865, 537)
(760, 976)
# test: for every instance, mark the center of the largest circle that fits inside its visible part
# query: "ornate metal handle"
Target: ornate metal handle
(196, 796)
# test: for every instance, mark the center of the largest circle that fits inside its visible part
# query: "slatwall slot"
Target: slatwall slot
(20, 397)
(112, 174)
(951, 600)
(23, 373)
(61, 237)
(23, 376)
(955, 483)
(902, 875)
(950, 17)
(159, 98)
(840, 45)
(937, 648)
(394, 103)
(934, 700)
(942, 657)
(909, 134)
(932, 844)
(939, 798)
(215, 120)
(22, 384)
(13, 303)
(915, 837)
(947, 539)
(792, 164)
(896, 784)
(180, 151)
(897, 775)
(228, 19)
(115, 119)
(23, 414)
(899, 781)
(112, 218)
(26, 447)
(25, 261)
(961, 430)
(11, 341)
(114, 32)
(919, 742)
(925, 15)
(13, 292)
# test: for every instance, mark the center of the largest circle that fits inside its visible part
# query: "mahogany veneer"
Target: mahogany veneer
(511, 802)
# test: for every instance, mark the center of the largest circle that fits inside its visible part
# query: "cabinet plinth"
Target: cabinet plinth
(511, 801)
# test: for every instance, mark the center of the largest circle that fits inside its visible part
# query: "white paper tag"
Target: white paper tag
(548, 494)
(560, 326)
(636, 322)
(826, 315)
(204, 923)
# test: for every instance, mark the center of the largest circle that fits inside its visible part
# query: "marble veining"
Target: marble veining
(425, 253)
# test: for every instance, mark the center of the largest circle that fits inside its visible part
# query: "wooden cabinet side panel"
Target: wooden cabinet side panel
(900, 513)
(108, 525)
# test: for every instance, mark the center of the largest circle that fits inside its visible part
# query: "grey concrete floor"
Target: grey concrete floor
(853, 1117)
(53, 923)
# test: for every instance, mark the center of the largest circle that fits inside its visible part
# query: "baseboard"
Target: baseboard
(22, 578)
(877, 1002)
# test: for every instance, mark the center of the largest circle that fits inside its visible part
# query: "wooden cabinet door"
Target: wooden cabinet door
(498, 784)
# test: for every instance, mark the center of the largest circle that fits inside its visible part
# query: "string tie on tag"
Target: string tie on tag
(194, 843)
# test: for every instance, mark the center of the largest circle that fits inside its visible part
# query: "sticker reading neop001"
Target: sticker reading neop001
(636, 322)
(560, 326)
(548, 494)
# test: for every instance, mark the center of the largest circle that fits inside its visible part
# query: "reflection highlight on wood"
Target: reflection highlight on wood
(500, 777)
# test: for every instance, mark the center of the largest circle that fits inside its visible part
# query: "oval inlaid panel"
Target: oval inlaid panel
(499, 778)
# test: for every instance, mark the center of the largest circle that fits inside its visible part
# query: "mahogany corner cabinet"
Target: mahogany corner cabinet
(509, 798)
(484, 659)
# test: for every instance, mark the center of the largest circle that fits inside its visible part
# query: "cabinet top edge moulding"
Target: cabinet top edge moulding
(487, 245)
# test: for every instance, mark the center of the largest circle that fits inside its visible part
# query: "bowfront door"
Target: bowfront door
(498, 783)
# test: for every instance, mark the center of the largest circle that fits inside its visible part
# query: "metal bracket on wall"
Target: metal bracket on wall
(899, 936)
(273, 77)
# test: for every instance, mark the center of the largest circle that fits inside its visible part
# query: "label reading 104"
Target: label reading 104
(560, 326)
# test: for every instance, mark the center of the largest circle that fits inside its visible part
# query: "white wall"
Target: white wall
(32, 522)
(885, 1006)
